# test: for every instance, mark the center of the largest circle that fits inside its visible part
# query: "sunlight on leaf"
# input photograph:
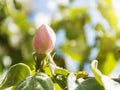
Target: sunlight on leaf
(39, 81)
(71, 82)
(61, 71)
(73, 54)
(15, 74)
(57, 86)
(109, 63)
(77, 12)
(105, 81)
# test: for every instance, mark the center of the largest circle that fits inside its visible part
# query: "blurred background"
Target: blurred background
(85, 30)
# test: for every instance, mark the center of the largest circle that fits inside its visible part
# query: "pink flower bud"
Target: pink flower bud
(44, 40)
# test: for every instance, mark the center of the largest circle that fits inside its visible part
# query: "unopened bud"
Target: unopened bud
(44, 40)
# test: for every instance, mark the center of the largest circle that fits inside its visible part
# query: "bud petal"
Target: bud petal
(44, 40)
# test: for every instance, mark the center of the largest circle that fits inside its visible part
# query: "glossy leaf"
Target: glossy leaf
(39, 81)
(15, 74)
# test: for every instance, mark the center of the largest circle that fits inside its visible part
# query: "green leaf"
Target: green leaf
(83, 84)
(77, 12)
(73, 52)
(39, 81)
(110, 61)
(105, 81)
(81, 74)
(61, 80)
(60, 75)
(96, 72)
(61, 71)
(88, 84)
(57, 86)
(15, 74)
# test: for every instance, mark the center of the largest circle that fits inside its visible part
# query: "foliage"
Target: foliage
(39, 81)
(15, 74)
(64, 78)
(87, 29)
